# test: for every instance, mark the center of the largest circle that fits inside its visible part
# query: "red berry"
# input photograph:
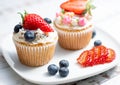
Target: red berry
(96, 55)
(82, 58)
(76, 6)
(111, 55)
(34, 21)
(90, 58)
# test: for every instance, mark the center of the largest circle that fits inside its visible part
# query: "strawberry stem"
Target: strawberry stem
(21, 16)
(89, 6)
(63, 11)
(25, 12)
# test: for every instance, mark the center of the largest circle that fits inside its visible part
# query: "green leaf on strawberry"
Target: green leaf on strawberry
(89, 7)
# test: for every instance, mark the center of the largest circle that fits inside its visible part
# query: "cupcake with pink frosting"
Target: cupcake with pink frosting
(73, 24)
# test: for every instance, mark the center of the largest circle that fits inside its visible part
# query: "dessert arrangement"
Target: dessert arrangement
(35, 39)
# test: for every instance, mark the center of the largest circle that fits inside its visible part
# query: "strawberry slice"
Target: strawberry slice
(104, 50)
(103, 54)
(82, 58)
(96, 55)
(86, 58)
(90, 58)
(111, 55)
(76, 6)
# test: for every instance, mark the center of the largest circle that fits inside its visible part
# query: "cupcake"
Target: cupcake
(35, 40)
(73, 24)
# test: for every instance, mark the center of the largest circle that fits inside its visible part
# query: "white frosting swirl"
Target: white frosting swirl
(41, 37)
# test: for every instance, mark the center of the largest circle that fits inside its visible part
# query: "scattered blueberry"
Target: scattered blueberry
(17, 28)
(48, 20)
(63, 63)
(93, 33)
(52, 69)
(97, 42)
(29, 36)
(63, 71)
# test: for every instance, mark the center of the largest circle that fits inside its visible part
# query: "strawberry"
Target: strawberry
(100, 53)
(90, 58)
(103, 54)
(34, 21)
(96, 55)
(111, 55)
(82, 58)
(76, 6)
(97, 52)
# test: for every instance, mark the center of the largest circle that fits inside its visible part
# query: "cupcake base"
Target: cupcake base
(35, 55)
(75, 42)
(74, 39)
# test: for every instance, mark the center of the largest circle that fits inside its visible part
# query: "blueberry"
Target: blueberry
(63, 63)
(48, 20)
(29, 36)
(97, 42)
(63, 71)
(17, 28)
(93, 33)
(52, 69)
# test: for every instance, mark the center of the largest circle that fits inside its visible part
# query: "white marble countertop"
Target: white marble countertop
(106, 16)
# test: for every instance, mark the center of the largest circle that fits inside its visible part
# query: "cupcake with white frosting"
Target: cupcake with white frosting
(73, 24)
(35, 40)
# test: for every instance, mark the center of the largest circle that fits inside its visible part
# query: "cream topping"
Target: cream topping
(71, 21)
(41, 37)
(69, 27)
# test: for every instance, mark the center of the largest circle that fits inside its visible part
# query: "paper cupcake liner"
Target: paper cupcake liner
(74, 40)
(34, 55)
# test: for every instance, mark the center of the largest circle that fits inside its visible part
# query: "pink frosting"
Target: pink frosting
(82, 21)
(69, 18)
(66, 20)
(57, 14)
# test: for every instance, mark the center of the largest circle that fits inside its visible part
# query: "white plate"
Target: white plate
(39, 75)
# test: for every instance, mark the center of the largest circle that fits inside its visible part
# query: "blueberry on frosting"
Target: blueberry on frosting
(29, 36)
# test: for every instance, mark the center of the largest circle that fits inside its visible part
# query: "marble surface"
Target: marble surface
(106, 16)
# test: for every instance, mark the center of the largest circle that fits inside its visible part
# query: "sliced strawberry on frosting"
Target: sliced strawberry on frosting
(76, 6)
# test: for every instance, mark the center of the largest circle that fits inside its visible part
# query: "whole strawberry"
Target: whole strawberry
(34, 21)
